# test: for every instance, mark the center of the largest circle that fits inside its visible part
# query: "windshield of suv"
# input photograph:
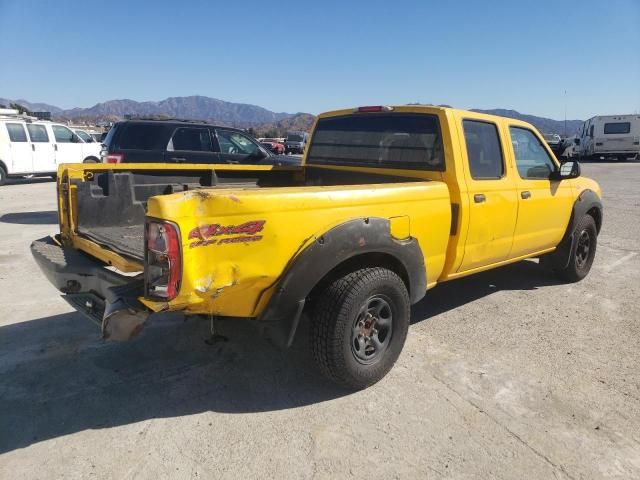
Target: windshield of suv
(378, 140)
(295, 138)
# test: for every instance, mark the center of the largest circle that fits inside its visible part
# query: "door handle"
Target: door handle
(479, 198)
(33, 147)
(178, 159)
(55, 147)
(526, 194)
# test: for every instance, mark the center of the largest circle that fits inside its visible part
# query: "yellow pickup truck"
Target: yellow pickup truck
(388, 202)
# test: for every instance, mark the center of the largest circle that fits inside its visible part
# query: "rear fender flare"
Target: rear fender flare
(330, 250)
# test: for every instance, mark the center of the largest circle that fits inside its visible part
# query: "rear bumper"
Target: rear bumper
(106, 297)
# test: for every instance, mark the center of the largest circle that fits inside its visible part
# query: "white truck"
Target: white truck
(609, 136)
(31, 147)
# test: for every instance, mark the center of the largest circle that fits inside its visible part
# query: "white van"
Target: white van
(38, 147)
(610, 136)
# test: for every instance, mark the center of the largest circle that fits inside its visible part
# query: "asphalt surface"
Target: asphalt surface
(507, 374)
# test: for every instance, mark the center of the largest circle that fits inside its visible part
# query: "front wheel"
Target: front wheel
(581, 254)
(3, 176)
(359, 326)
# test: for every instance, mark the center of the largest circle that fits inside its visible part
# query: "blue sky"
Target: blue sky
(321, 55)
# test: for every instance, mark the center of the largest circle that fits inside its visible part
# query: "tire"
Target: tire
(90, 160)
(3, 176)
(581, 254)
(346, 313)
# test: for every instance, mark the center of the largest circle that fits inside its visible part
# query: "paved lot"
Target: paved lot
(507, 374)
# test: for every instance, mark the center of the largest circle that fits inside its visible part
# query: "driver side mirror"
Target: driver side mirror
(568, 170)
(576, 141)
(75, 138)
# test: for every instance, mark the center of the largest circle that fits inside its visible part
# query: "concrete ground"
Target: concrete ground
(507, 374)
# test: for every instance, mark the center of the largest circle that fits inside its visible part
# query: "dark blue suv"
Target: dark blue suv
(181, 141)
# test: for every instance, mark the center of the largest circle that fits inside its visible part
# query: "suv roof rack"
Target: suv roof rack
(163, 119)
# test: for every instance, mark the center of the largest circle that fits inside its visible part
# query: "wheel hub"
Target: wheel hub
(583, 249)
(371, 331)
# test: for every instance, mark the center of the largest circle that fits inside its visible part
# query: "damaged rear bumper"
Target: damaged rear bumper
(107, 298)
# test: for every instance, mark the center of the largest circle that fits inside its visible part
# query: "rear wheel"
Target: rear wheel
(91, 160)
(581, 254)
(359, 326)
(3, 176)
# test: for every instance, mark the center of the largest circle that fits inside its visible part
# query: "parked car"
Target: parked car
(390, 202)
(176, 141)
(569, 148)
(273, 145)
(39, 147)
(610, 136)
(296, 142)
(555, 143)
(85, 136)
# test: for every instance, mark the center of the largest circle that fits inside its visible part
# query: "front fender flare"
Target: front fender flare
(328, 251)
(586, 201)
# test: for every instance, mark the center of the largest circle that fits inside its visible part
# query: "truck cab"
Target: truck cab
(295, 142)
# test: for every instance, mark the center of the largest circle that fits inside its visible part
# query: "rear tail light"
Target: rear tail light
(114, 158)
(163, 262)
(374, 108)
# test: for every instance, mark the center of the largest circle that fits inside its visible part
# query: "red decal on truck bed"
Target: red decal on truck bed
(208, 231)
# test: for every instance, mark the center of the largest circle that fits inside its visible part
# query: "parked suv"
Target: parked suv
(38, 147)
(179, 141)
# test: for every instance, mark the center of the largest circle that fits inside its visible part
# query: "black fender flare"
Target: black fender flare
(339, 244)
(586, 201)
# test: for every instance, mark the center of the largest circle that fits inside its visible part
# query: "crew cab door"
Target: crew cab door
(20, 151)
(43, 154)
(191, 145)
(544, 205)
(492, 197)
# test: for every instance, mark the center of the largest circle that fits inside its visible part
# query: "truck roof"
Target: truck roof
(426, 109)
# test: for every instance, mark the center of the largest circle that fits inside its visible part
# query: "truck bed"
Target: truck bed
(112, 205)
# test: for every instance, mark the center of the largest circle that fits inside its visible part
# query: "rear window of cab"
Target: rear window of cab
(389, 140)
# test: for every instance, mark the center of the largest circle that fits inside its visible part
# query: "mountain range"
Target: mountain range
(243, 115)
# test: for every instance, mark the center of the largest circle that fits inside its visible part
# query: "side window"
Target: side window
(483, 150)
(16, 132)
(194, 139)
(141, 136)
(37, 133)
(532, 159)
(235, 143)
(62, 134)
(591, 131)
(619, 128)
